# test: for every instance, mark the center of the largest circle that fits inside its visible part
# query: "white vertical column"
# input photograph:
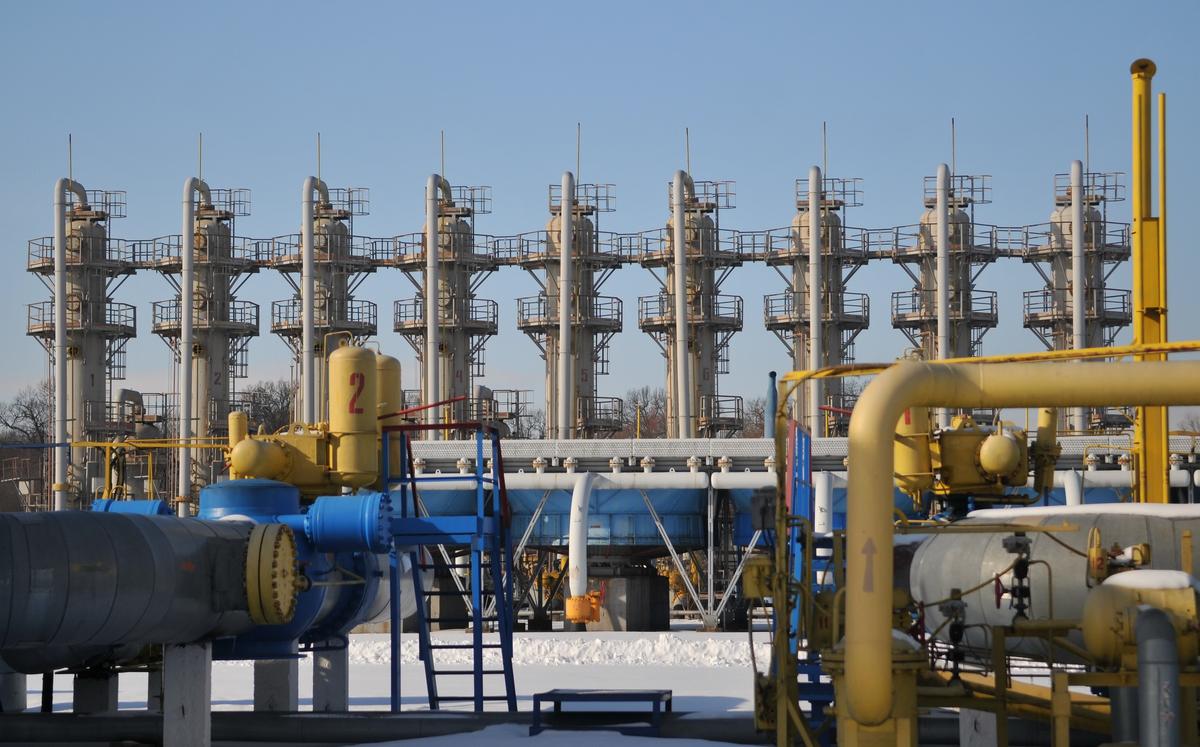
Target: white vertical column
(1078, 281)
(683, 359)
(815, 300)
(566, 282)
(943, 275)
(432, 343)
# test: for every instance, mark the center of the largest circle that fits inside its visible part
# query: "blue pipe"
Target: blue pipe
(772, 407)
(155, 507)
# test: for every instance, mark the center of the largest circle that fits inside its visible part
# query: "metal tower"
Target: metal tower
(454, 335)
(341, 262)
(97, 331)
(594, 318)
(222, 324)
(691, 286)
(969, 248)
(1080, 232)
(842, 315)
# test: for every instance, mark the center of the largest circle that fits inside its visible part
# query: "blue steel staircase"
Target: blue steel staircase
(486, 545)
(814, 688)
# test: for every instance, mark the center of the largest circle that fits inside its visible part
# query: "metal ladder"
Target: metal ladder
(485, 538)
(814, 687)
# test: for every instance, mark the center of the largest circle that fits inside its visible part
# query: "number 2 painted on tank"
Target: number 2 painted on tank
(357, 381)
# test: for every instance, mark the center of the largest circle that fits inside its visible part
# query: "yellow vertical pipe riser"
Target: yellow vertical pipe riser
(869, 532)
(1149, 279)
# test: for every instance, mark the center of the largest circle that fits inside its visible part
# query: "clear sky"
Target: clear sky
(136, 81)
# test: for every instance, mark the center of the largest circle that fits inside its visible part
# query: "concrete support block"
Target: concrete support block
(976, 728)
(186, 679)
(95, 692)
(277, 685)
(154, 691)
(331, 680)
(12, 691)
(634, 603)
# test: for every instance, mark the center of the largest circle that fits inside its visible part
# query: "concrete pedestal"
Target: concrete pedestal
(12, 692)
(633, 603)
(154, 691)
(186, 679)
(976, 728)
(95, 692)
(277, 685)
(331, 680)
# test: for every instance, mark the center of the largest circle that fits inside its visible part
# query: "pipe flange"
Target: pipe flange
(271, 576)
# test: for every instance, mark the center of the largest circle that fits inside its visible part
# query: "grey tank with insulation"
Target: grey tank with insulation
(78, 588)
(962, 561)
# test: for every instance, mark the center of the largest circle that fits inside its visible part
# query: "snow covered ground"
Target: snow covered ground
(708, 673)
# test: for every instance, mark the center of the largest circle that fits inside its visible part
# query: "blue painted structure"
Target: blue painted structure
(153, 507)
(484, 528)
(333, 535)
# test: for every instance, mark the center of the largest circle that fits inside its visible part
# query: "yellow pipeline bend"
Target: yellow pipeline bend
(868, 640)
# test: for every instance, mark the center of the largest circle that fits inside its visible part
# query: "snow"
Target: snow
(512, 735)
(709, 673)
(1153, 510)
(1152, 579)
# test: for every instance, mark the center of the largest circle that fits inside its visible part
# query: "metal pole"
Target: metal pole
(1078, 282)
(308, 341)
(943, 275)
(187, 304)
(815, 284)
(62, 452)
(683, 395)
(565, 289)
(772, 406)
(432, 328)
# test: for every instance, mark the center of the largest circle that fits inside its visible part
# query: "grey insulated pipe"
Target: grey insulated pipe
(1158, 679)
(1078, 284)
(680, 187)
(433, 361)
(942, 271)
(308, 362)
(566, 281)
(62, 452)
(84, 587)
(815, 283)
(187, 305)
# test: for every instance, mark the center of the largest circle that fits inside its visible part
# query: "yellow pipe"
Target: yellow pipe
(869, 532)
(1149, 277)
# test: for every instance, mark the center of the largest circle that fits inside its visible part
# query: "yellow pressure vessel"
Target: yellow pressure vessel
(914, 467)
(391, 399)
(353, 415)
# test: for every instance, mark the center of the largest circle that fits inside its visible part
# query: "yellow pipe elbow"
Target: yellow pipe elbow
(869, 530)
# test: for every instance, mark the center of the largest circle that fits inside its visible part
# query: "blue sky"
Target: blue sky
(135, 82)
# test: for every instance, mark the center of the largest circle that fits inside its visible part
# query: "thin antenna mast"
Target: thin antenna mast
(200, 157)
(824, 149)
(953, 148)
(687, 150)
(318, 156)
(578, 150)
(70, 159)
(442, 164)
(1087, 146)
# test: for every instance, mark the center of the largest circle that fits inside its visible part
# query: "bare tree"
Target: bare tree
(269, 404)
(754, 412)
(651, 403)
(26, 417)
(1190, 422)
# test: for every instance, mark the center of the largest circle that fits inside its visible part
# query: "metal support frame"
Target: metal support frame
(484, 531)
(708, 618)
